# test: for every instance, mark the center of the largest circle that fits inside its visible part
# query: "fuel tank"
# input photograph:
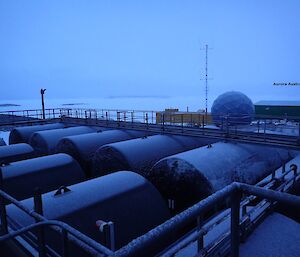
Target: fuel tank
(16, 152)
(44, 142)
(124, 198)
(47, 173)
(141, 154)
(22, 134)
(193, 175)
(83, 147)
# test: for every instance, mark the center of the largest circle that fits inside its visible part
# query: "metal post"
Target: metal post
(227, 127)
(64, 234)
(132, 117)
(147, 120)
(152, 117)
(294, 169)
(200, 240)
(38, 207)
(43, 102)
(235, 223)
(283, 168)
(4, 229)
(265, 130)
(163, 116)
(118, 118)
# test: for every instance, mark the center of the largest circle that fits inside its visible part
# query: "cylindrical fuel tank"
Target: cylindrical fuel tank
(193, 175)
(141, 154)
(16, 152)
(124, 198)
(22, 134)
(47, 173)
(44, 142)
(83, 147)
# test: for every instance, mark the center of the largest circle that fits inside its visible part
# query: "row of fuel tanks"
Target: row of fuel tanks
(88, 174)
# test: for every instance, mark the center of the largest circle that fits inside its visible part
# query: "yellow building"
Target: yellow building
(174, 116)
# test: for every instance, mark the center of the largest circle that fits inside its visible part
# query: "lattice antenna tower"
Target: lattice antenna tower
(206, 77)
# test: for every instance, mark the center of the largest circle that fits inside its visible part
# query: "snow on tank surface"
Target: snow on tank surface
(44, 142)
(190, 176)
(83, 147)
(141, 154)
(22, 134)
(47, 173)
(16, 152)
(126, 198)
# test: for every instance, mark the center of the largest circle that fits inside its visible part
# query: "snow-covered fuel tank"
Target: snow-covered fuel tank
(21, 178)
(141, 154)
(16, 152)
(22, 134)
(44, 142)
(125, 198)
(193, 175)
(83, 147)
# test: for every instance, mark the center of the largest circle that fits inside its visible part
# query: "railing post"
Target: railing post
(4, 229)
(152, 117)
(200, 241)
(38, 207)
(118, 118)
(235, 223)
(265, 130)
(163, 123)
(132, 117)
(294, 169)
(147, 120)
(64, 234)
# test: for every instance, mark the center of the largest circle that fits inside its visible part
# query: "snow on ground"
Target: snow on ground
(277, 236)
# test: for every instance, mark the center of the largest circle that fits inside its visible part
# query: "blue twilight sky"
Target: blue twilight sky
(148, 48)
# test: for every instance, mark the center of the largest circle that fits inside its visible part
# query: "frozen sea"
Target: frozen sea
(155, 103)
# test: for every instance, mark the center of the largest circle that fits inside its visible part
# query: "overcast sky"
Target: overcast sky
(148, 48)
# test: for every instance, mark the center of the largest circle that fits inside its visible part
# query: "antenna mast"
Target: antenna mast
(206, 86)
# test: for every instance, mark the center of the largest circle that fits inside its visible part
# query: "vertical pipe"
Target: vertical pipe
(235, 223)
(38, 207)
(43, 102)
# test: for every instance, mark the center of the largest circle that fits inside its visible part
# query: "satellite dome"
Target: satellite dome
(232, 107)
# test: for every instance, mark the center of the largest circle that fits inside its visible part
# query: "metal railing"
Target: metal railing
(67, 233)
(227, 123)
(233, 192)
(142, 244)
(281, 181)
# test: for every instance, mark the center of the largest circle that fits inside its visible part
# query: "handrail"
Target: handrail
(233, 191)
(42, 221)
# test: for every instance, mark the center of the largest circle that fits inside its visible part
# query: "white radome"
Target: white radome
(234, 108)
